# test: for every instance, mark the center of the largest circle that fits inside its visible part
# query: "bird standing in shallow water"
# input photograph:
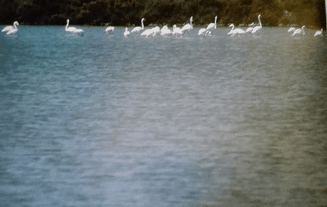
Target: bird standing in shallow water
(188, 27)
(165, 31)
(318, 33)
(126, 33)
(110, 29)
(202, 31)
(177, 30)
(250, 28)
(235, 31)
(299, 31)
(291, 29)
(147, 32)
(205, 32)
(257, 28)
(212, 26)
(138, 29)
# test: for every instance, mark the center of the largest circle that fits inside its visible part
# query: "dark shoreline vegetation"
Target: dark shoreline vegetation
(160, 12)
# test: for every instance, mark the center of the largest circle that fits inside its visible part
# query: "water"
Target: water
(103, 120)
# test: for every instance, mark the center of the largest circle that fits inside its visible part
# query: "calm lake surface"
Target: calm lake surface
(104, 120)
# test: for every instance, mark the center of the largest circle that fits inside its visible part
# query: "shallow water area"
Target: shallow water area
(105, 120)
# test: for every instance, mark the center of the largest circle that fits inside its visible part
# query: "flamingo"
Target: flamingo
(189, 26)
(155, 30)
(147, 32)
(204, 31)
(212, 26)
(208, 33)
(257, 28)
(138, 29)
(177, 30)
(318, 33)
(126, 33)
(299, 31)
(152, 31)
(72, 29)
(291, 29)
(250, 28)
(165, 31)
(110, 29)
(7, 28)
(235, 31)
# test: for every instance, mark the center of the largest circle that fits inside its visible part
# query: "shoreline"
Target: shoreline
(152, 25)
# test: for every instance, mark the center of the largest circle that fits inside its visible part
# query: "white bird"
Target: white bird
(299, 31)
(147, 32)
(177, 30)
(291, 29)
(13, 30)
(212, 26)
(202, 31)
(110, 29)
(165, 31)
(72, 29)
(250, 28)
(189, 26)
(156, 30)
(7, 28)
(138, 29)
(164, 28)
(153, 31)
(318, 33)
(208, 33)
(257, 28)
(235, 31)
(126, 33)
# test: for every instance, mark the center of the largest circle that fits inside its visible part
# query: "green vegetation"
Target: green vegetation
(129, 12)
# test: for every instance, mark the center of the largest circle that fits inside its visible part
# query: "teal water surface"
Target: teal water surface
(104, 120)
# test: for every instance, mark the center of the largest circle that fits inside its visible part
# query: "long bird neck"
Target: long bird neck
(216, 23)
(142, 24)
(259, 21)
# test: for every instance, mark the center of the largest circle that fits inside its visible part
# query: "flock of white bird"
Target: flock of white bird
(176, 30)
(301, 31)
